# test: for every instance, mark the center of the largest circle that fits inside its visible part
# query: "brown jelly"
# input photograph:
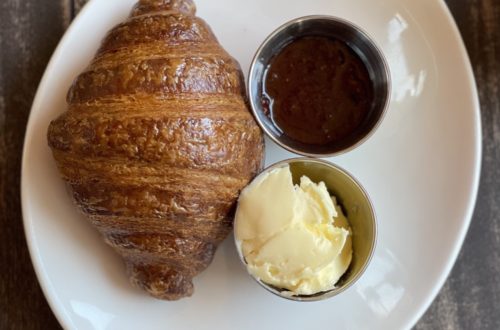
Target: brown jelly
(317, 90)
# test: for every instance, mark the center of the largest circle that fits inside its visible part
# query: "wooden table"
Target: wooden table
(29, 32)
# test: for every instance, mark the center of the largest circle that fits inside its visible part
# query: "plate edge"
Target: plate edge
(43, 280)
(476, 175)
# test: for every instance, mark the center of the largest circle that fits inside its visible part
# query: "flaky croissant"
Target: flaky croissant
(157, 142)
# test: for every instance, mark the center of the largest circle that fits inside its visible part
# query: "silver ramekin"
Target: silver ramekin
(326, 26)
(358, 209)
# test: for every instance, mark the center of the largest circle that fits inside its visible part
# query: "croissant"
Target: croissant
(157, 142)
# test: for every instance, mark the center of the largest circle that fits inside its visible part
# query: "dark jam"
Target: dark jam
(317, 90)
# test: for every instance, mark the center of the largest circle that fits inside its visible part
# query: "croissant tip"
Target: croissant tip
(147, 7)
(161, 282)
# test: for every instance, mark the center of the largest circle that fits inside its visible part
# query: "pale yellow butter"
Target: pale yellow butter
(293, 237)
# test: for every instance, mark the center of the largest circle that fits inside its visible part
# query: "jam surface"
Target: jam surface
(317, 90)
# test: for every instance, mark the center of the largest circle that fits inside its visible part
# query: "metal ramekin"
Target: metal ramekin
(356, 205)
(326, 26)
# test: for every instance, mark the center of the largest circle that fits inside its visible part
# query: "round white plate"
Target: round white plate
(421, 169)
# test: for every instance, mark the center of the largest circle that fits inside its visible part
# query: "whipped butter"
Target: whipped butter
(293, 237)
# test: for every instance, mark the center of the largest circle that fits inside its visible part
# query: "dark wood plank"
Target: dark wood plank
(29, 32)
(78, 5)
(470, 297)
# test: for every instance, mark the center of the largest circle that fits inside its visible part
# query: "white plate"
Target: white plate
(421, 169)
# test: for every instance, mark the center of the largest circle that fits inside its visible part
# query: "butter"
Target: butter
(292, 237)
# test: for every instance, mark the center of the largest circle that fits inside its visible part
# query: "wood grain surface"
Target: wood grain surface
(29, 32)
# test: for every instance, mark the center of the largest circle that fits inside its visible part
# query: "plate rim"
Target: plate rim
(451, 260)
(43, 278)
